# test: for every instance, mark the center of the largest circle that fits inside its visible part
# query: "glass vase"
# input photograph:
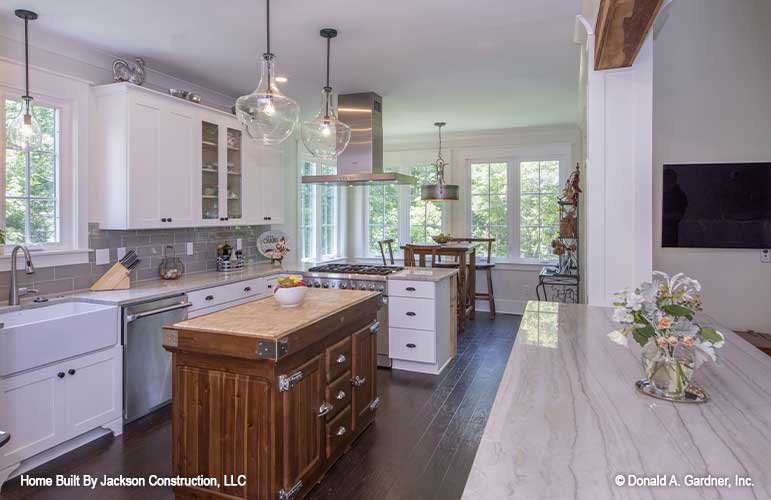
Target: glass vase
(669, 369)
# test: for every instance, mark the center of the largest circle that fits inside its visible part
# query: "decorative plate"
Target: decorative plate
(693, 394)
(267, 241)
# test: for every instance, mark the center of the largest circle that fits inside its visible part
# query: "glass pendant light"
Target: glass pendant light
(439, 191)
(24, 131)
(266, 114)
(325, 136)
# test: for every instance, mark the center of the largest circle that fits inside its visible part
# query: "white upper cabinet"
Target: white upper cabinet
(160, 162)
(269, 203)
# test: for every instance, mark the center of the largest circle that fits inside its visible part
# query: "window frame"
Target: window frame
(555, 152)
(339, 206)
(63, 179)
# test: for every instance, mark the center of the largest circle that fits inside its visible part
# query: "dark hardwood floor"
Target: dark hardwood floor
(421, 446)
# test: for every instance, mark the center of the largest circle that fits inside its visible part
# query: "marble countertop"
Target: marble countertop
(275, 322)
(423, 274)
(567, 419)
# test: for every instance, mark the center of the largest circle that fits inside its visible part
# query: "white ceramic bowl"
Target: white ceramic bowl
(290, 297)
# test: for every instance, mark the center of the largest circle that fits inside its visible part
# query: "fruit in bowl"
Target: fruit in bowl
(441, 238)
(290, 291)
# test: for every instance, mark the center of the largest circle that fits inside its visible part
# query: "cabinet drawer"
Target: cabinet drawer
(210, 297)
(338, 359)
(418, 289)
(338, 393)
(417, 314)
(412, 345)
(339, 432)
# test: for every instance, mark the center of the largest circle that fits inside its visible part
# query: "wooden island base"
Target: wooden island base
(265, 410)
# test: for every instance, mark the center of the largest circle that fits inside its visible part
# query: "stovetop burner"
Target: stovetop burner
(356, 269)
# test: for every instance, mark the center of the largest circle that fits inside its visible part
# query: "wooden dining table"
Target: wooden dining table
(464, 255)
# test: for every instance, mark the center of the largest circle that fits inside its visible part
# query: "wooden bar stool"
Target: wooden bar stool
(487, 265)
(389, 244)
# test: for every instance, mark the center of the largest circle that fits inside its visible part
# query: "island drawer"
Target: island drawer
(418, 314)
(338, 393)
(338, 359)
(339, 432)
(418, 289)
(412, 345)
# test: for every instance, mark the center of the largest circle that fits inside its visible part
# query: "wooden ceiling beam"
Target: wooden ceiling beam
(622, 26)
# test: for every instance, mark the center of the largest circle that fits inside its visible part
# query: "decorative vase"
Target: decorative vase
(290, 297)
(669, 369)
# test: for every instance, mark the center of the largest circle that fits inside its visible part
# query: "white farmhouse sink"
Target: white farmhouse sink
(35, 337)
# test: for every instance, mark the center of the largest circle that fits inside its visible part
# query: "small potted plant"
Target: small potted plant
(660, 317)
(290, 291)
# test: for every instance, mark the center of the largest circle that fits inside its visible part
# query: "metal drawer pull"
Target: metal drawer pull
(341, 359)
(410, 313)
(340, 395)
(341, 431)
(325, 408)
(410, 288)
(375, 404)
(411, 346)
(358, 381)
(209, 297)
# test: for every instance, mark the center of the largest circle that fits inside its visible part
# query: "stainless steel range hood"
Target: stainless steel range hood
(362, 161)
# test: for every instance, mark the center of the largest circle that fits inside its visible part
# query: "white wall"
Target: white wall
(712, 103)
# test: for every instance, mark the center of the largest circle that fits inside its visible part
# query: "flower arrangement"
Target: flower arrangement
(290, 291)
(660, 317)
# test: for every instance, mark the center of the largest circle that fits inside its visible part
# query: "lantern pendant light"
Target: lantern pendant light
(24, 131)
(439, 191)
(266, 114)
(325, 136)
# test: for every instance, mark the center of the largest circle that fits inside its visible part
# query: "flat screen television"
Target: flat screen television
(717, 205)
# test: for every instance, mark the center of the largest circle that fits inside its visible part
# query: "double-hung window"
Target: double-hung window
(382, 216)
(425, 216)
(515, 201)
(320, 208)
(31, 212)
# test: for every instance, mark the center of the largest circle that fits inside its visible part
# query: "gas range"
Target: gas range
(350, 277)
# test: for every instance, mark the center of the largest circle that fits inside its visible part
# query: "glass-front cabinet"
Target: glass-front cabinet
(221, 172)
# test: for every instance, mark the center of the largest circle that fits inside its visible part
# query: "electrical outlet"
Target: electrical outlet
(121, 252)
(190, 248)
(102, 256)
(765, 256)
(239, 244)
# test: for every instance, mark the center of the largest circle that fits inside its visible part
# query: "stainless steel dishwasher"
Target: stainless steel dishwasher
(146, 364)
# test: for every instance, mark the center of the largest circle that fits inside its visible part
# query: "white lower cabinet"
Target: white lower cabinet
(45, 407)
(420, 327)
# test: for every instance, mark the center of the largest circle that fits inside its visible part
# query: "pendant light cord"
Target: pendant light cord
(327, 89)
(268, 54)
(26, 60)
(440, 160)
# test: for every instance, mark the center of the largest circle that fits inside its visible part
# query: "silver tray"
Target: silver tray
(693, 393)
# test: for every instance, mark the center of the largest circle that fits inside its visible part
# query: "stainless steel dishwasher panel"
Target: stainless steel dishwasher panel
(147, 373)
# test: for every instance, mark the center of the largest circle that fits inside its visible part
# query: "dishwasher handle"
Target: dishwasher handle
(4, 438)
(133, 317)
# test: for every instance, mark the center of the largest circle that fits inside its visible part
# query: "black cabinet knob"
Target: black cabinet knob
(163, 219)
(169, 219)
(411, 346)
(410, 313)
(247, 289)
(209, 297)
(410, 289)
(71, 371)
(60, 374)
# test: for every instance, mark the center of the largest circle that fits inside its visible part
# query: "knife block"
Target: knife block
(116, 278)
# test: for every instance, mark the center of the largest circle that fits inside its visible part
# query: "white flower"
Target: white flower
(619, 337)
(634, 300)
(704, 351)
(621, 315)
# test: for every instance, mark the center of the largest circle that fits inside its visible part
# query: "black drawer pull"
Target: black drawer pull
(209, 297)
(60, 374)
(410, 313)
(71, 371)
(247, 289)
(411, 346)
(163, 219)
(410, 288)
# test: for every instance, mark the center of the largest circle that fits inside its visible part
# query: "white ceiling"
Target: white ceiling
(480, 64)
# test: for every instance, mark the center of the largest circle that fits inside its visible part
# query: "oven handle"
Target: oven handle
(133, 317)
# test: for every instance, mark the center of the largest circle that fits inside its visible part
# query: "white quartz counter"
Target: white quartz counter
(567, 420)
(433, 274)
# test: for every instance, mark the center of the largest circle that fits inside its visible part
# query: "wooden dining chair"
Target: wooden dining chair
(412, 253)
(389, 243)
(485, 264)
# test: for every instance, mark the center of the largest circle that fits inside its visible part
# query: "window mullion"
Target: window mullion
(27, 204)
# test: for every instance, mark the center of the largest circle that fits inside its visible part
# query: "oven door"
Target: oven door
(383, 359)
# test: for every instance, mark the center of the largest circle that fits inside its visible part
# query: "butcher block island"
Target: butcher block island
(266, 399)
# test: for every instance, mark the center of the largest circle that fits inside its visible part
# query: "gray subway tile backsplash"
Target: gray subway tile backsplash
(149, 245)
